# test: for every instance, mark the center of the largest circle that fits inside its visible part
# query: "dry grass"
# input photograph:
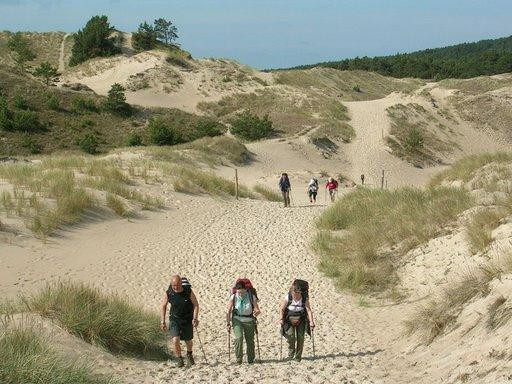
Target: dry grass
(477, 85)
(465, 168)
(108, 321)
(191, 180)
(117, 205)
(267, 193)
(374, 227)
(480, 227)
(500, 312)
(26, 357)
(432, 319)
(334, 131)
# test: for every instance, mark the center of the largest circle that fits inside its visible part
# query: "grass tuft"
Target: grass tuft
(108, 321)
(267, 193)
(480, 227)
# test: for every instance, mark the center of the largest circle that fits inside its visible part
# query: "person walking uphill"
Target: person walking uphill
(312, 190)
(242, 311)
(332, 187)
(285, 186)
(183, 316)
(296, 318)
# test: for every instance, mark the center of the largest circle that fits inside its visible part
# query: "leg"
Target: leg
(301, 330)
(284, 198)
(239, 341)
(290, 337)
(288, 197)
(249, 330)
(176, 347)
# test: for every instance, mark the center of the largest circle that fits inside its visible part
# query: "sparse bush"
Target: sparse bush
(105, 320)
(160, 133)
(88, 143)
(5, 115)
(356, 88)
(19, 101)
(207, 127)
(86, 123)
(26, 357)
(32, 145)
(52, 101)
(47, 72)
(251, 127)
(177, 58)
(20, 49)
(26, 121)
(80, 104)
(134, 140)
(414, 140)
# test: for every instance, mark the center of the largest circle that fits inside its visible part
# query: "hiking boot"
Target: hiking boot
(239, 362)
(190, 359)
(180, 363)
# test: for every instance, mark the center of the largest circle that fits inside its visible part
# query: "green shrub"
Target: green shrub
(26, 357)
(134, 140)
(105, 320)
(116, 101)
(86, 123)
(19, 101)
(144, 38)
(32, 145)
(207, 128)
(80, 104)
(251, 127)
(414, 140)
(356, 88)
(52, 101)
(88, 143)
(5, 115)
(26, 121)
(160, 133)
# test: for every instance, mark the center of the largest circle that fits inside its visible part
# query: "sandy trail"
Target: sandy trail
(212, 243)
(62, 64)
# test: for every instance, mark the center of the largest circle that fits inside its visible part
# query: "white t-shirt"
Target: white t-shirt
(295, 305)
(243, 306)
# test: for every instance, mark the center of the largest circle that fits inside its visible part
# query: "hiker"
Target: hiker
(241, 316)
(332, 187)
(312, 190)
(285, 186)
(296, 318)
(183, 316)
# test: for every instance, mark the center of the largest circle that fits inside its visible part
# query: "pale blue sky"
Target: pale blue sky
(280, 33)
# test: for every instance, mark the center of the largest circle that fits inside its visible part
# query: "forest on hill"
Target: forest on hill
(466, 60)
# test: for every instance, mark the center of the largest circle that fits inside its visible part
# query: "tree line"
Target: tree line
(485, 57)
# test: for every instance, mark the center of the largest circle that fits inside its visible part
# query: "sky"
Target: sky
(281, 33)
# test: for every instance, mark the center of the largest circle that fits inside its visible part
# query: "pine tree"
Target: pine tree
(47, 72)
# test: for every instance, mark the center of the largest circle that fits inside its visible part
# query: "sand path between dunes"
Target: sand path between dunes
(212, 242)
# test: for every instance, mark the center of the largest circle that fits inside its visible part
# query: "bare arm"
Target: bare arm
(256, 308)
(163, 312)
(310, 314)
(195, 303)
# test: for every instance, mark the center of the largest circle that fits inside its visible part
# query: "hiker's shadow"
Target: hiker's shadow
(327, 356)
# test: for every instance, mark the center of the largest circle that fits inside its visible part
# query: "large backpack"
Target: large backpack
(304, 287)
(253, 295)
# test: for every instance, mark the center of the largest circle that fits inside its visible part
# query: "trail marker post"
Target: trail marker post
(236, 183)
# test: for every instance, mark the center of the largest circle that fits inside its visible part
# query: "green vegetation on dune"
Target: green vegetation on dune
(378, 226)
(485, 57)
(104, 320)
(27, 357)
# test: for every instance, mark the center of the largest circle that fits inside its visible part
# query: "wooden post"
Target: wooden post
(236, 183)
(382, 180)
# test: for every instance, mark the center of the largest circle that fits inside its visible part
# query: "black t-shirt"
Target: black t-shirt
(182, 308)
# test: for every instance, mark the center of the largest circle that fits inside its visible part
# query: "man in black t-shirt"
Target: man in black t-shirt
(183, 316)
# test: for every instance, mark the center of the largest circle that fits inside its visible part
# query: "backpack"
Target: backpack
(185, 282)
(253, 295)
(304, 287)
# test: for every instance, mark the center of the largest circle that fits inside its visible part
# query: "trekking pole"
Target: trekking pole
(281, 348)
(229, 345)
(313, 340)
(257, 338)
(201, 345)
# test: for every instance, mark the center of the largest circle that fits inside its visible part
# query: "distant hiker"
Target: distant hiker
(285, 186)
(332, 187)
(362, 179)
(183, 316)
(296, 318)
(312, 190)
(241, 316)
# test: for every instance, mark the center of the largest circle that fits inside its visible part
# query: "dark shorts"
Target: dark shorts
(185, 331)
(312, 194)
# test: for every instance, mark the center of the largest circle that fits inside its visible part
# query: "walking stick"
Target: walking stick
(201, 345)
(313, 340)
(257, 338)
(229, 345)
(281, 349)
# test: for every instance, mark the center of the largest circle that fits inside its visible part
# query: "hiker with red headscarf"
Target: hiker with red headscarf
(332, 187)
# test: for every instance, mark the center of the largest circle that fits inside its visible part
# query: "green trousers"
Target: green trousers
(295, 337)
(243, 329)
